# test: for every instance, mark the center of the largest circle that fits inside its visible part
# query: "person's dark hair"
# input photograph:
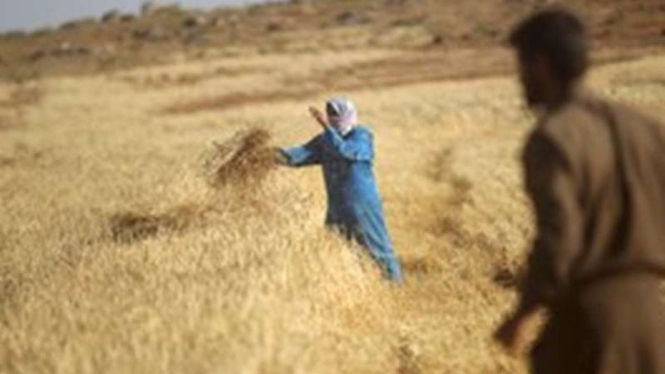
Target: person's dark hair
(558, 35)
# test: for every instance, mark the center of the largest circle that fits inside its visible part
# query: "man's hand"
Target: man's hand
(514, 332)
(279, 157)
(318, 116)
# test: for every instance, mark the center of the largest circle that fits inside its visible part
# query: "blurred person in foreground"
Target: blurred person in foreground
(595, 172)
(345, 150)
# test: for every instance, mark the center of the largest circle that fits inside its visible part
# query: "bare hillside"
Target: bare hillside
(121, 41)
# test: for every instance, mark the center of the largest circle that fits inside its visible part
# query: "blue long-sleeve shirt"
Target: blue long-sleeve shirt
(347, 170)
(354, 203)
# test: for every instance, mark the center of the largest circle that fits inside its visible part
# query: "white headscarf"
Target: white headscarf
(342, 114)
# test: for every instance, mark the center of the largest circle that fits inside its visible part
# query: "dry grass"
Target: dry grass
(377, 73)
(170, 80)
(380, 72)
(23, 95)
(6, 122)
(117, 256)
(243, 163)
(236, 99)
(16, 101)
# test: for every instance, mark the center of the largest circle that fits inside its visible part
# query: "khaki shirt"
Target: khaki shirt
(595, 172)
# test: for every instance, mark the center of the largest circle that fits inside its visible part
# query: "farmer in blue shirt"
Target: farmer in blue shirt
(345, 150)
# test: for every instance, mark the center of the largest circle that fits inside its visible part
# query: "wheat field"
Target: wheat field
(242, 277)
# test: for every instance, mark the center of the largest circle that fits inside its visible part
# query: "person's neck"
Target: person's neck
(560, 96)
(345, 130)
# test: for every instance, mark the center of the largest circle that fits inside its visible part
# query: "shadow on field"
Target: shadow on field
(242, 163)
(129, 227)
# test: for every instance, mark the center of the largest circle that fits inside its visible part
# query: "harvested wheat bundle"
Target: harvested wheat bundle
(246, 158)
